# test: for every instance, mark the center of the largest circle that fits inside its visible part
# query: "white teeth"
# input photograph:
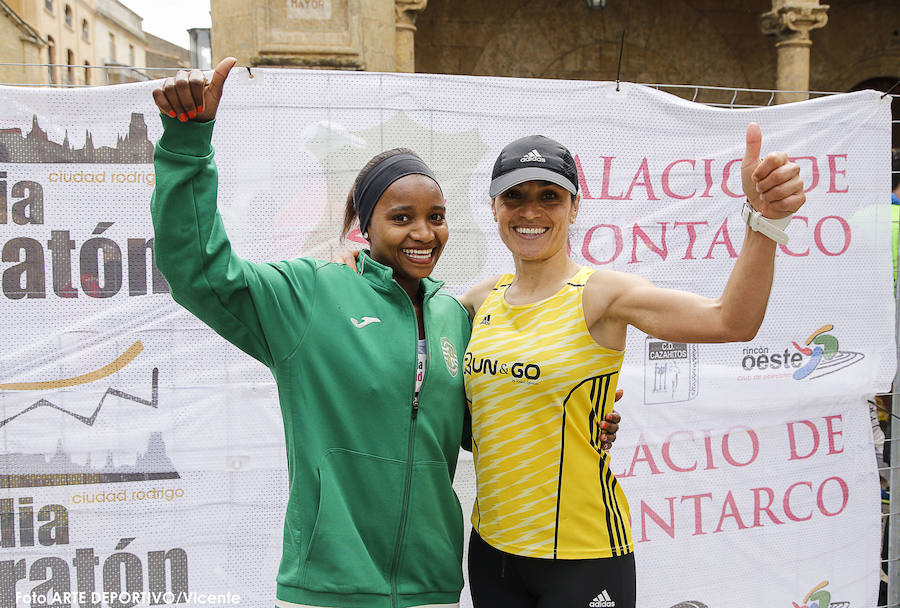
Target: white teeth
(531, 230)
(418, 253)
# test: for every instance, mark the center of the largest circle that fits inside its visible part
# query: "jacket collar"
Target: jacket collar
(383, 276)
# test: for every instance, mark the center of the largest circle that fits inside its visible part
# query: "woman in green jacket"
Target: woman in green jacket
(372, 520)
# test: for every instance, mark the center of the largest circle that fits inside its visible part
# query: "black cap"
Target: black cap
(534, 158)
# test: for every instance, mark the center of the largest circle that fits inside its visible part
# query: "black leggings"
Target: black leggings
(503, 580)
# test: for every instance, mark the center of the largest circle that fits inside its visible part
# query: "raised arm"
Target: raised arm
(773, 187)
(260, 308)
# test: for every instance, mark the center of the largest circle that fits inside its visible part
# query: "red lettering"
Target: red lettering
(817, 234)
(667, 457)
(726, 452)
(726, 240)
(707, 174)
(356, 236)
(582, 182)
(845, 497)
(726, 174)
(832, 433)
(637, 231)
(795, 455)
(833, 172)
(758, 509)
(617, 237)
(698, 513)
(665, 179)
(814, 165)
(786, 503)
(729, 509)
(642, 454)
(692, 236)
(784, 248)
(667, 527)
(707, 443)
(643, 172)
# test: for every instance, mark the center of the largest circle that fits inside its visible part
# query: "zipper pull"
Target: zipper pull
(415, 407)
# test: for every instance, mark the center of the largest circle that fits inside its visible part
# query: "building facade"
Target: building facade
(162, 55)
(20, 43)
(701, 42)
(796, 45)
(121, 44)
(80, 42)
(67, 29)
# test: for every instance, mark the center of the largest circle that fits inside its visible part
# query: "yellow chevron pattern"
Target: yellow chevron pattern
(538, 387)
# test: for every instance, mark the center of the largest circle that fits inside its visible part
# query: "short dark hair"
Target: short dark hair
(350, 216)
(895, 168)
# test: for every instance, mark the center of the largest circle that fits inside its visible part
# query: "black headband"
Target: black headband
(380, 177)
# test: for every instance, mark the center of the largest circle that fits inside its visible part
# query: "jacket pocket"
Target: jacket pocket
(431, 559)
(352, 544)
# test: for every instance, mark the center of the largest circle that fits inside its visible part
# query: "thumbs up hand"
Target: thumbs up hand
(772, 183)
(189, 96)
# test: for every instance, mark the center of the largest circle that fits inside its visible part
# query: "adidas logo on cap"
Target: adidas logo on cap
(602, 601)
(533, 157)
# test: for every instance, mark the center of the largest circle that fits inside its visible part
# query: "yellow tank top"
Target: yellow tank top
(538, 387)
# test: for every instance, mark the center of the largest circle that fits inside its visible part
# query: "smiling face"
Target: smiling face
(533, 219)
(408, 229)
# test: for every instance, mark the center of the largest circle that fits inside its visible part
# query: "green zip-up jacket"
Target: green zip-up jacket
(372, 520)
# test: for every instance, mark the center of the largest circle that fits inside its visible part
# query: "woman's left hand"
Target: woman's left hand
(772, 184)
(610, 425)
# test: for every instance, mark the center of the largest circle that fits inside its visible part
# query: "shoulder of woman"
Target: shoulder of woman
(478, 293)
(605, 286)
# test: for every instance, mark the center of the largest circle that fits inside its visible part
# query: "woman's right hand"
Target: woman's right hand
(347, 257)
(189, 96)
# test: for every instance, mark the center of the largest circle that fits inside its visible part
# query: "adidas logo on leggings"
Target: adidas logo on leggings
(602, 601)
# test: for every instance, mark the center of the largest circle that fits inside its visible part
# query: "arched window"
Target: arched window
(67, 12)
(85, 30)
(48, 5)
(51, 58)
(70, 67)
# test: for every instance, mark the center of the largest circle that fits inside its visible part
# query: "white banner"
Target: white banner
(142, 454)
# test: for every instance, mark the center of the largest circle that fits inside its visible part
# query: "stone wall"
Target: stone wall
(702, 42)
(19, 43)
(327, 34)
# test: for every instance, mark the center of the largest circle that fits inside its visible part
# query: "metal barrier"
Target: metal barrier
(110, 74)
(713, 96)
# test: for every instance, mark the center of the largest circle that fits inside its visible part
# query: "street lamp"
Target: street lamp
(595, 4)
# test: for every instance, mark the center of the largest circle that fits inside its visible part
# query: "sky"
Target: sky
(170, 19)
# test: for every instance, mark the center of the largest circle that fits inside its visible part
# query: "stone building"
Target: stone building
(67, 29)
(756, 44)
(164, 54)
(121, 44)
(19, 43)
(81, 42)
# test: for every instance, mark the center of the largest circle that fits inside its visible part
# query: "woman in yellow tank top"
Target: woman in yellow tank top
(550, 523)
